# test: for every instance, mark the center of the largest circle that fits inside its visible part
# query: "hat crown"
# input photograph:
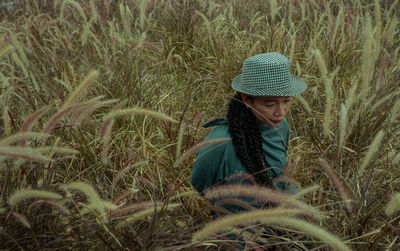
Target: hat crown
(268, 68)
(268, 74)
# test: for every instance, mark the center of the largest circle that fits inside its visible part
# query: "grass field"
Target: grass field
(102, 103)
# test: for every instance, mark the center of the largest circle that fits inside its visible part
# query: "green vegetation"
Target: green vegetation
(101, 102)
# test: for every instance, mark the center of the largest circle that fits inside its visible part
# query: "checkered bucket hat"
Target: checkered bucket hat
(268, 74)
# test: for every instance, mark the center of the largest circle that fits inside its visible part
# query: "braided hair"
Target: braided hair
(247, 139)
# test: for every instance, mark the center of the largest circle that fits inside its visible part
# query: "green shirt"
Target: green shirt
(217, 162)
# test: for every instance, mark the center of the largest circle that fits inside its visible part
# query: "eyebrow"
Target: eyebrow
(275, 99)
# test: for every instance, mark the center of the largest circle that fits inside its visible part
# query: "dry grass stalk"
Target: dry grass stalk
(338, 183)
(247, 218)
(55, 149)
(197, 147)
(25, 194)
(24, 153)
(125, 170)
(372, 149)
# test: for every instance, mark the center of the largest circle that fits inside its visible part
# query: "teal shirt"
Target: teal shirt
(217, 162)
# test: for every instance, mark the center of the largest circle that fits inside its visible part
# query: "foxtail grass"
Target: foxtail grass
(394, 205)
(61, 208)
(22, 219)
(372, 149)
(247, 218)
(90, 78)
(23, 153)
(91, 194)
(22, 136)
(25, 194)
(338, 184)
(260, 194)
(197, 147)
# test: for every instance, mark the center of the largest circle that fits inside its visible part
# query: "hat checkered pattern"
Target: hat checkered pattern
(268, 74)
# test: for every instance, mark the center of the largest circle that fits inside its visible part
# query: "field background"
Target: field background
(100, 100)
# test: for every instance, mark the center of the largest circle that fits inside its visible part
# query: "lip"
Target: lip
(276, 121)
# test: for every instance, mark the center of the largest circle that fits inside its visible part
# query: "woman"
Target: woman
(256, 123)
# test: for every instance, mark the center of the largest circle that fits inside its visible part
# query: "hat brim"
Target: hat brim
(296, 87)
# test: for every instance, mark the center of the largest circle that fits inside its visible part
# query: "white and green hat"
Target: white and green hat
(268, 74)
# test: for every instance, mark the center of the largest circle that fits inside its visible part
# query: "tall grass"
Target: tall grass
(92, 90)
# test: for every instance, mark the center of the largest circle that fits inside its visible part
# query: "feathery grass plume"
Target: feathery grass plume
(179, 140)
(24, 153)
(147, 212)
(225, 224)
(197, 147)
(385, 100)
(141, 111)
(119, 212)
(6, 122)
(22, 136)
(105, 131)
(5, 51)
(94, 15)
(126, 16)
(125, 170)
(260, 194)
(105, 135)
(321, 64)
(292, 45)
(394, 205)
(372, 149)
(337, 23)
(305, 104)
(55, 118)
(21, 64)
(342, 124)
(274, 8)
(378, 26)
(25, 194)
(394, 112)
(91, 194)
(55, 149)
(87, 208)
(76, 5)
(338, 183)
(367, 58)
(142, 13)
(90, 78)
(28, 123)
(22, 219)
(184, 194)
(57, 206)
(305, 191)
(19, 47)
(78, 117)
(308, 228)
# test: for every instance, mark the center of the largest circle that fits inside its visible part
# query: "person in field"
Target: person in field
(256, 123)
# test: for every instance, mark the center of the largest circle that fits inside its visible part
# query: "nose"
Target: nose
(279, 111)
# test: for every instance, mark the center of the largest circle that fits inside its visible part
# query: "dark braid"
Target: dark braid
(247, 140)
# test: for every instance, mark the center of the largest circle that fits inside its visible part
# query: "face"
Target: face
(268, 110)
